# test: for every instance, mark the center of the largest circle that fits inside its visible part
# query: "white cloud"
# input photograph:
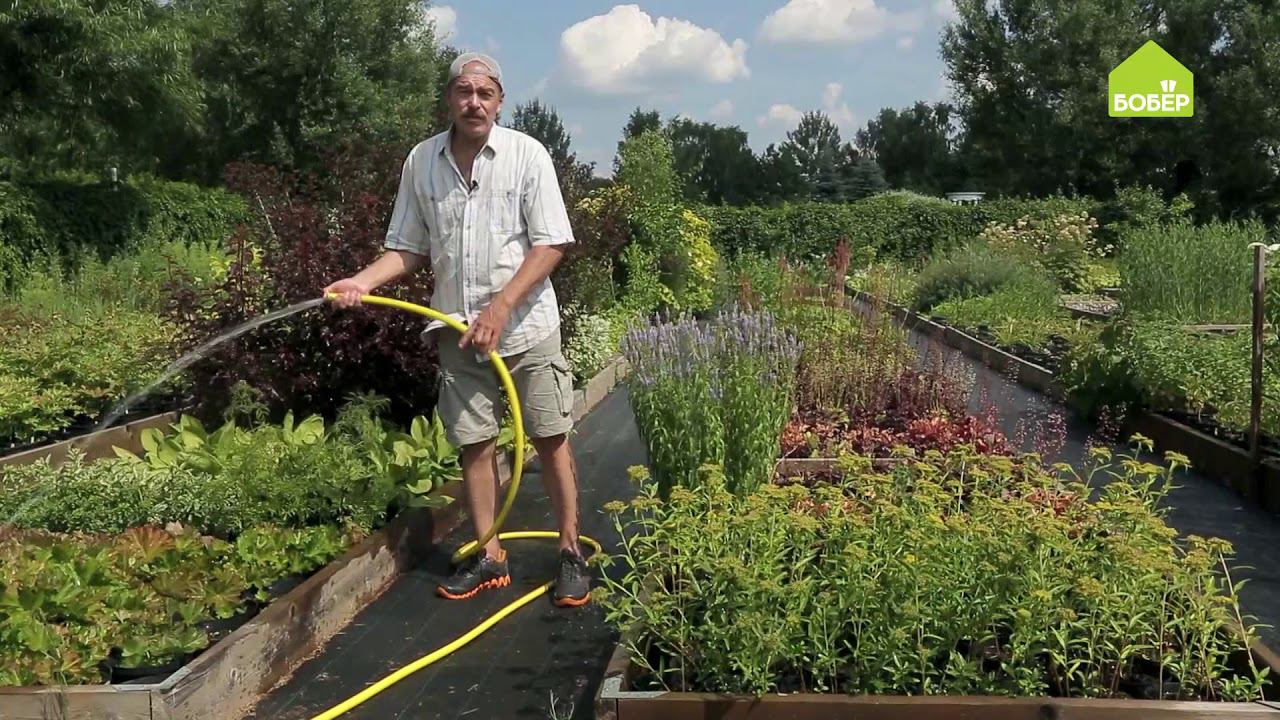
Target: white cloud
(780, 115)
(839, 112)
(721, 110)
(833, 21)
(946, 8)
(626, 51)
(445, 19)
(575, 128)
(906, 42)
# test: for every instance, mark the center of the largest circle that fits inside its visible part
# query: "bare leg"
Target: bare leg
(480, 476)
(560, 479)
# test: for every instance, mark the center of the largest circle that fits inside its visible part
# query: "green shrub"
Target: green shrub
(1024, 312)
(1191, 274)
(895, 225)
(57, 369)
(962, 574)
(137, 599)
(972, 271)
(1061, 245)
(355, 472)
(71, 219)
(588, 342)
(1008, 210)
(1137, 208)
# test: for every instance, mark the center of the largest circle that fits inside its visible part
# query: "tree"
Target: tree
(285, 81)
(544, 125)
(87, 85)
(715, 163)
(1031, 83)
(640, 122)
(913, 147)
(781, 178)
(860, 176)
(815, 146)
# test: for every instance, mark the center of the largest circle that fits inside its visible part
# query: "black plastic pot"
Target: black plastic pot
(114, 674)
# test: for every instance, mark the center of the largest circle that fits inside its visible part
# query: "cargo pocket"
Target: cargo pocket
(564, 385)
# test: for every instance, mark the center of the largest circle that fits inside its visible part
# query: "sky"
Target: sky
(757, 64)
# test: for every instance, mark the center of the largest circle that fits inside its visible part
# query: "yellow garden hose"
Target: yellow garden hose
(474, 545)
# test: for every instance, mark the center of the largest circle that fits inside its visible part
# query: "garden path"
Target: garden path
(514, 669)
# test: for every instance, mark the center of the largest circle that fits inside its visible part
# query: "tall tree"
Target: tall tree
(860, 176)
(1031, 84)
(543, 123)
(815, 146)
(913, 147)
(286, 80)
(781, 177)
(715, 163)
(87, 85)
(640, 122)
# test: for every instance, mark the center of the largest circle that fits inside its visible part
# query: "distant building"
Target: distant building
(965, 198)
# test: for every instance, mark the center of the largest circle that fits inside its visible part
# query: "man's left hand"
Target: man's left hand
(486, 330)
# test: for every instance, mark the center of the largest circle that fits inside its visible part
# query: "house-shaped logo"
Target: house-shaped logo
(1150, 83)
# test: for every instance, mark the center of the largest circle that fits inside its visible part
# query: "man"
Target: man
(481, 203)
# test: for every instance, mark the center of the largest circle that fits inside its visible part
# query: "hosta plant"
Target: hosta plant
(949, 574)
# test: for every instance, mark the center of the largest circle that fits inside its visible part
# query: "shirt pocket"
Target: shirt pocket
(444, 243)
(504, 213)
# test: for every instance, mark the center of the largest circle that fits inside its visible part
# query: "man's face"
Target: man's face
(474, 101)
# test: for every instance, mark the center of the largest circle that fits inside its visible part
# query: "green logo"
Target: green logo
(1150, 83)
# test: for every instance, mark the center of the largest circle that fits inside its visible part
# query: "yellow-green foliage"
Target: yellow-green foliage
(700, 257)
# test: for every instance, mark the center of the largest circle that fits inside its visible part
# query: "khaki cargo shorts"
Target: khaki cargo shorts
(473, 399)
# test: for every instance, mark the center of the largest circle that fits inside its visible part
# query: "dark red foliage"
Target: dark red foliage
(924, 409)
(309, 231)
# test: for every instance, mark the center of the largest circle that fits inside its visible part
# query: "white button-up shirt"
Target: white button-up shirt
(477, 237)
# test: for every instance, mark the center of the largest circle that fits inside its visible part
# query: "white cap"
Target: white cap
(493, 70)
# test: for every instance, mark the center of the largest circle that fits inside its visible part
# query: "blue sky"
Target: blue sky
(754, 63)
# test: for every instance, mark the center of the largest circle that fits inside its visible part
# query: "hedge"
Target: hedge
(68, 217)
(900, 225)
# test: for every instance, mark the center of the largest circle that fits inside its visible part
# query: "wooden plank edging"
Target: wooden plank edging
(226, 680)
(94, 445)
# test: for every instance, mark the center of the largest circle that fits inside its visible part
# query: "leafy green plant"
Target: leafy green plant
(974, 270)
(950, 574)
(1061, 246)
(71, 603)
(1025, 312)
(1190, 273)
(589, 342)
(719, 392)
(57, 370)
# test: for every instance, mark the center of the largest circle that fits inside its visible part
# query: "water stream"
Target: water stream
(199, 353)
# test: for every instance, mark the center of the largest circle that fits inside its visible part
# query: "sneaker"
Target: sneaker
(573, 585)
(479, 572)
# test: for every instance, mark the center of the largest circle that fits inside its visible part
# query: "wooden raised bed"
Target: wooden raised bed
(229, 678)
(95, 445)
(616, 700)
(1232, 464)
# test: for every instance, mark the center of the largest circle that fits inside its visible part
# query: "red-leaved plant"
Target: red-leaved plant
(307, 232)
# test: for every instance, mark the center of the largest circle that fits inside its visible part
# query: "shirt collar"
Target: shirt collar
(495, 144)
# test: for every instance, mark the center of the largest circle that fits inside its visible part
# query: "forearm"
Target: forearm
(393, 265)
(537, 266)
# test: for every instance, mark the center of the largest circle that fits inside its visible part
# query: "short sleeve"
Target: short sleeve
(544, 210)
(408, 227)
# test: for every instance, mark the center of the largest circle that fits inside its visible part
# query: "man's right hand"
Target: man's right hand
(348, 291)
